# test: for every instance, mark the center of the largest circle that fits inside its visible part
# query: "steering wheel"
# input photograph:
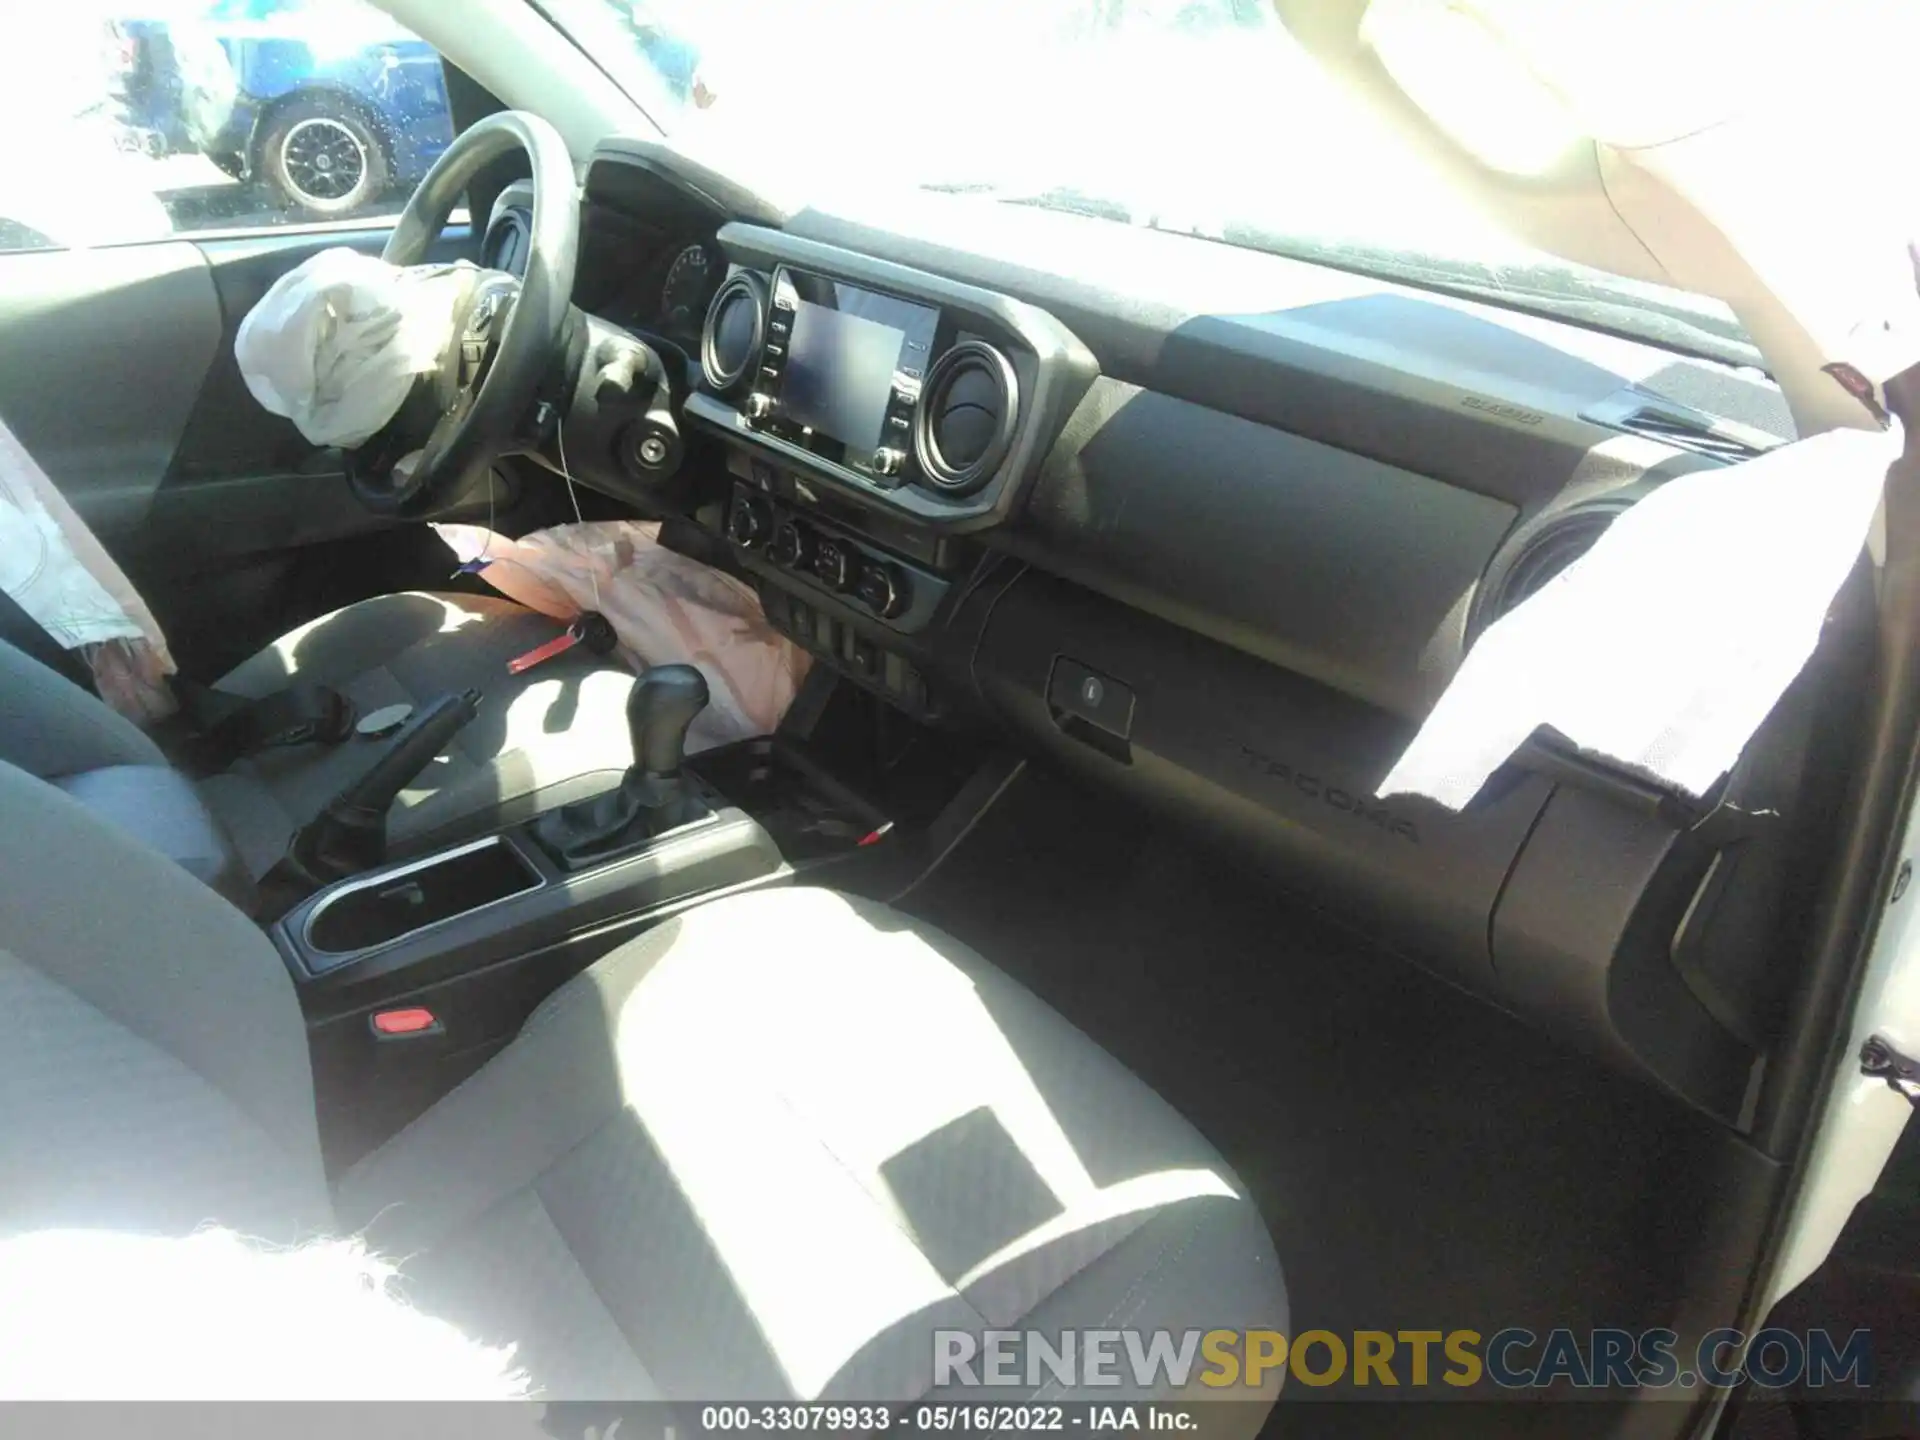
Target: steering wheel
(507, 336)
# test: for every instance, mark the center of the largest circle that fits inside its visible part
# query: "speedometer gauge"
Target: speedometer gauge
(688, 286)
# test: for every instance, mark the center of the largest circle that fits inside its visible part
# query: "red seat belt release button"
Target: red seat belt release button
(413, 1020)
(559, 645)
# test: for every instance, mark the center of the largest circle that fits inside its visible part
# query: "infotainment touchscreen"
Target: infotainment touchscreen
(847, 350)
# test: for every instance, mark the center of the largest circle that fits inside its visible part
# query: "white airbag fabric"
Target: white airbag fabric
(337, 341)
(58, 572)
(665, 607)
(1667, 644)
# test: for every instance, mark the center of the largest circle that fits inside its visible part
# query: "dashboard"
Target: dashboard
(904, 392)
(639, 275)
(1215, 528)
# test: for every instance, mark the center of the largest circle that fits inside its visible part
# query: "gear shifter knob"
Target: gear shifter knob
(663, 704)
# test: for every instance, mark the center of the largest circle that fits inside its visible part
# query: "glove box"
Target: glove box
(1270, 764)
(1651, 937)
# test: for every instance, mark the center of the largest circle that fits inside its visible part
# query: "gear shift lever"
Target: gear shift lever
(664, 704)
(655, 795)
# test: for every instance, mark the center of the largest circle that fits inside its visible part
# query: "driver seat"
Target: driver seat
(543, 738)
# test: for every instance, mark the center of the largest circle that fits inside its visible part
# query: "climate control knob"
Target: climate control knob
(836, 565)
(792, 545)
(759, 408)
(747, 525)
(883, 590)
(887, 461)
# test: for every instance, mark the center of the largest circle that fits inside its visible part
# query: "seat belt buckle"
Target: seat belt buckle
(330, 719)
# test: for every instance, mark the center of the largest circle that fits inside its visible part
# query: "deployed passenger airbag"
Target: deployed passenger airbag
(1666, 645)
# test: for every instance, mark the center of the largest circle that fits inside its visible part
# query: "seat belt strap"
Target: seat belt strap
(230, 726)
(30, 637)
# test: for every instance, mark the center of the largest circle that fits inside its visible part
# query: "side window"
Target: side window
(137, 121)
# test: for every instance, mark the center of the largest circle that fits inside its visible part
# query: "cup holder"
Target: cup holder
(380, 909)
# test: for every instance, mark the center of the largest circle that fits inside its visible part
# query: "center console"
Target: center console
(871, 422)
(874, 420)
(412, 973)
(909, 394)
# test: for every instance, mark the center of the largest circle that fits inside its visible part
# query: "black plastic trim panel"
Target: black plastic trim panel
(729, 848)
(1060, 369)
(1276, 766)
(1349, 572)
(923, 590)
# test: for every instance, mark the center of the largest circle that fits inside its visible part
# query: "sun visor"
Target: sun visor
(336, 344)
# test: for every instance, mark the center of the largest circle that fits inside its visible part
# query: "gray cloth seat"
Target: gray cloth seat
(553, 734)
(550, 735)
(767, 1149)
(154, 1066)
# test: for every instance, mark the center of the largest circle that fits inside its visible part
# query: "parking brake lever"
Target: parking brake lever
(350, 834)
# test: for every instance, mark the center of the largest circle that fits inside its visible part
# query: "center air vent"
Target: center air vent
(1531, 563)
(736, 327)
(967, 415)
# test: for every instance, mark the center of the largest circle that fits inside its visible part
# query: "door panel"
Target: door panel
(117, 373)
(103, 354)
(244, 480)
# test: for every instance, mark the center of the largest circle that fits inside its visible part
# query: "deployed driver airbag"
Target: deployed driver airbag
(337, 342)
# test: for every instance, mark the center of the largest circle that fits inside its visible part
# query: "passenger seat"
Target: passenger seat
(764, 1151)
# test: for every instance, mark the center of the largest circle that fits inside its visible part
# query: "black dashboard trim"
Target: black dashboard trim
(1335, 567)
(1477, 396)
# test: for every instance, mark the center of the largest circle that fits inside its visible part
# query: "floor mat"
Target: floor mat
(1422, 1160)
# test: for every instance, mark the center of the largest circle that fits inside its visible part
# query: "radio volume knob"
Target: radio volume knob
(887, 461)
(759, 408)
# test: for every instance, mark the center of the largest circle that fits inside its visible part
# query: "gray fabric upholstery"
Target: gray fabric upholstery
(154, 1070)
(158, 806)
(768, 1148)
(554, 734)
(50, 726)
(764, 1150)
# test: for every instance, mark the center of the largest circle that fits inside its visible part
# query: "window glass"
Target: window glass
(136, 121)
(1198, 116)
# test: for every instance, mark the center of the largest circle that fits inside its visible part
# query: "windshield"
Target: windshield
(1201, 117)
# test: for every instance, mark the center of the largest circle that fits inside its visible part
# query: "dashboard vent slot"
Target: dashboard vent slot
(966, 418)
(1722, 439)
(735, 329)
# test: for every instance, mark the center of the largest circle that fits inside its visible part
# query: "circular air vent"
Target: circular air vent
(964, 425)
(736, 326)
(1539, 556)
